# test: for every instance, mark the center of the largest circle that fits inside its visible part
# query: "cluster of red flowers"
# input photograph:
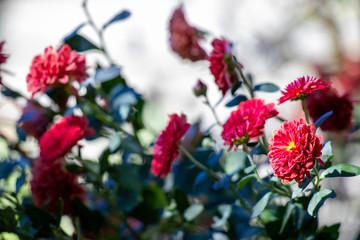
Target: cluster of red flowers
(293, 150)
(55, 69)
(222, 65)
(51, 182)
(166, 148)
(247, 122)
(184, 39)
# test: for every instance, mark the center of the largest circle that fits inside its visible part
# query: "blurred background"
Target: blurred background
(276, 41)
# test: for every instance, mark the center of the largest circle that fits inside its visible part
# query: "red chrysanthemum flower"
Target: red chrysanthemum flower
(63, 135)
(222, 65)
(55, 69)
(34, 119)
(184, 39)
(167, 145)
(301, 88)
(51, 182)
(247, 122)
(327, 100)
(293, 149)
(3, 56)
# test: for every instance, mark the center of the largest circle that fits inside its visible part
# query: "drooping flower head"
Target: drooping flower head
(184, 39)
(301, 88)
(53, 69)
(34, 119)
(222, 64)
(51, 182)
(327, 100)
(166, 148)
(63, 135)
(3, 56)
(247, 122)
(293, 150)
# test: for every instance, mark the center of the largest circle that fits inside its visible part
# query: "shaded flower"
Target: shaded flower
(52, 182)
(301, 88)
(34, 119)
(184, 39)
(167, 145)
(247, 122)
(200, 89)
(293, 149)
(327, 100)
(222, 65)
(3, 56)
(63, 135)
(54, 69)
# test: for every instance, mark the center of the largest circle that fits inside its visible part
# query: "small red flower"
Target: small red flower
(51, 182)
(3, 56)
(222, 65)
(184, 39)
(301, 88)
(293, 149)
(62, 136)
(167, 145)
(247, 122)
(34, 119)
(327, 100)
(55, 69)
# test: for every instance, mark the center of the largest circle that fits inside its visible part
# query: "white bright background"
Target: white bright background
(276, 40)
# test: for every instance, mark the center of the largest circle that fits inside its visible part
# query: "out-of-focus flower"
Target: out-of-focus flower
(3, 56)
(327, 100)
(293, 149)
(51, 182)
(200, 89)
(247, 122)
(301, 88)
(222, 65)
(184, 39)
(63, 135)
(166, 148)
(55, 69)
(34, 119)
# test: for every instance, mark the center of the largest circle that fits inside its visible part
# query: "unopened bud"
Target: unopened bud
(200, 89)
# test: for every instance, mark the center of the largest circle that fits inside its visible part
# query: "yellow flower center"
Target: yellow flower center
(290, 146)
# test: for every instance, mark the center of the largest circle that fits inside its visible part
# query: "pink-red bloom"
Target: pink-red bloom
(63, 135)
(301, 88)
(3, 56)
(34, 119)
(293, 150)
(184, 39)
(54, 69)
(166, 148)
(222, 65)
(247, 122)
(327, 100)
(52, 182)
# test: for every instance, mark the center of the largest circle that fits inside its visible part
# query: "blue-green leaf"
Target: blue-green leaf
(260, 205)
(322, 119)
(236, 100)
(341, 170)
(288, 210)
(318, 199)
(193, 211)
(244, 181)
(266, 87)
(80, 44)
(118, 17)
(326, 151)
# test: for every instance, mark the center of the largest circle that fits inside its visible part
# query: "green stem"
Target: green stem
(247, 83)
(262, 143)
(212, 110)
(305, 109)
(214, 176)
(318, 179)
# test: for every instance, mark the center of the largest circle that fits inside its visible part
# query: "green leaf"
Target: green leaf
(7, 216)
(341, 170)
(288, 210)
(225, 211)
(326, 151)
(90, 220)
(244, 181)
(193, 211)
(266, 87)
(260, 205)
(114, 142)
(181, 200)
(118, 17)
(104, 161)
(328, 232)
(74, 168)
(318, 199)
(237, 99)
(80, 44)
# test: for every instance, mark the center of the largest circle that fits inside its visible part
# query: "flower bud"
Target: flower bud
(200, 89)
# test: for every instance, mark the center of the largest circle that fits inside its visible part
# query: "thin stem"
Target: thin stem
(247, 83)
(98, 31)
(316, 187)
(305, 109)
(212, 110)
(262, 143)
